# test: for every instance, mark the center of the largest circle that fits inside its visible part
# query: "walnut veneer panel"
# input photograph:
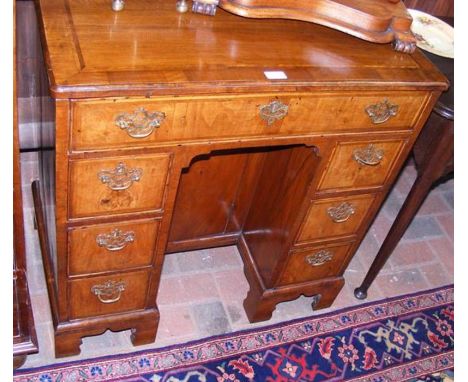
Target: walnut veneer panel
(208, 193)
(345, 172)
(92, 51)
(85, 303)
(108, 247)
(341, 112)
(282, 186)
(94, 122)
(310, 264)
(89, 196)
(322, 221)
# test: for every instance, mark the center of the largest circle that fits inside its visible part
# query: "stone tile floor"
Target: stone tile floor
(202, 291)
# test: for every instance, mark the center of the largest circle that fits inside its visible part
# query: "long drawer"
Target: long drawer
(104, 124)
(96, 296)
(117, 185)
(110, 247)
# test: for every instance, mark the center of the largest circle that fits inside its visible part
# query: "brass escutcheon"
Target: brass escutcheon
(319, 258)
(120, 178)
(381, 112)
(109, 292)
(115, 240)
(140, 123)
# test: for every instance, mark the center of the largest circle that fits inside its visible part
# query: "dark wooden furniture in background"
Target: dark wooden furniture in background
(438, 8)
(187, 144)
(433, 156)
(34, 119)
(24, 334)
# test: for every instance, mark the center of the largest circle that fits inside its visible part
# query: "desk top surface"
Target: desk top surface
(149, 49)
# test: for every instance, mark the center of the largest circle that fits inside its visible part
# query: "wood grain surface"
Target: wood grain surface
(214, 172)
(87, 256)
(192, 119)
(318, 224)
(92, 51)
(345, 172)
(90, 196)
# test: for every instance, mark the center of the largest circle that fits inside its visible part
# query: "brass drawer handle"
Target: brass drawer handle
(120, 178)
(369, 155)
(381, 112)
(341, 213)
(319, 258)
(115, 240)
(140, 123)
(274, 111)
(109, 292)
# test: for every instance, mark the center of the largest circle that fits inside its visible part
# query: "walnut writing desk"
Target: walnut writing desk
(169, 137)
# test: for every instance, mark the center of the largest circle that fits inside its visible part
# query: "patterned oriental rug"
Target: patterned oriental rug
(408, 338)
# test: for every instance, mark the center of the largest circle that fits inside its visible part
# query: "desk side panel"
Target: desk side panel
(281, 190)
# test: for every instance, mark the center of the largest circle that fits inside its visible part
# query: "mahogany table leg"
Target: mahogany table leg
(438, 154)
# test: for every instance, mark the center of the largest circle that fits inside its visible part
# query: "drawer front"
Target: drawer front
(109, 247)
(315, 263)
(338, 112)
(117, 185)
(99, 124)
(334, 217)
(96, 296)
(358, 165)
(133, 123)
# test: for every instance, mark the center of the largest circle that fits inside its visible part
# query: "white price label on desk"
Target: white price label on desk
(275, 75)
